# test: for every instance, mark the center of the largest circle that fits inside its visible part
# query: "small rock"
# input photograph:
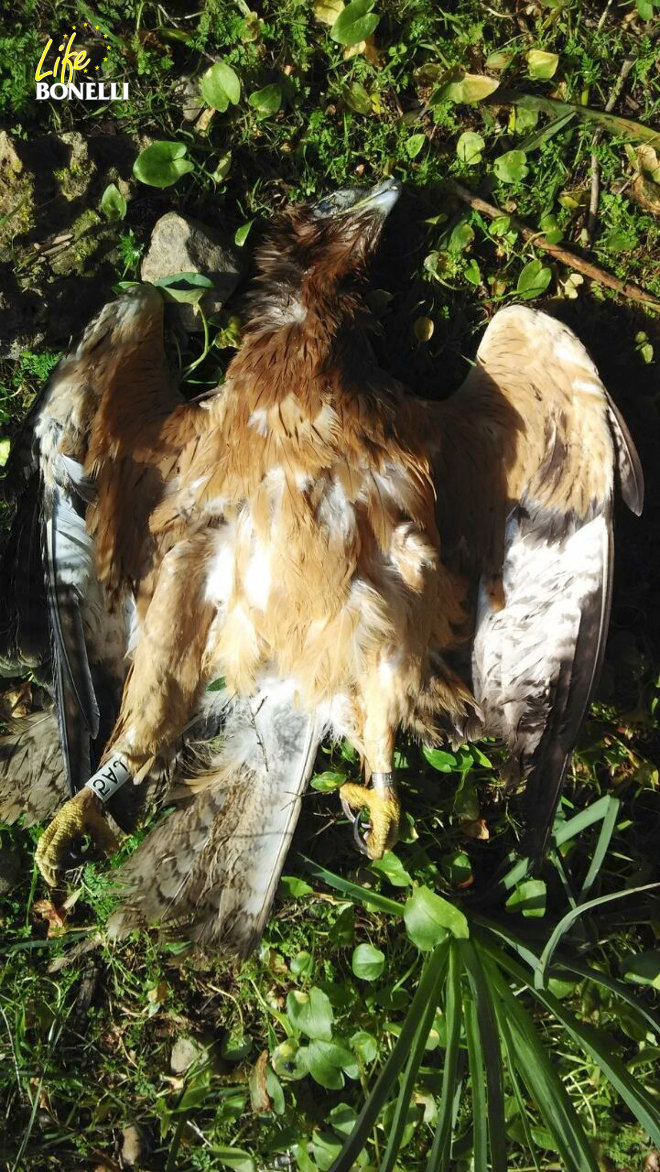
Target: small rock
(191, 100)
(182, 245)
(10, 870)
(135, 1146)
(185, 1052)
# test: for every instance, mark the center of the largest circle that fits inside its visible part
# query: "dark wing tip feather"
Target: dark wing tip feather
(631, 475)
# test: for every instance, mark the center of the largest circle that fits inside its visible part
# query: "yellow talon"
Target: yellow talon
(384, 813)
(81, 815)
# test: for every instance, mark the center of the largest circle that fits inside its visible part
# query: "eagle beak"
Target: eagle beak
(381, 198)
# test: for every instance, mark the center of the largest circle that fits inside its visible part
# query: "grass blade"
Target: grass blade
(619, 988)
(491, 1053)
(370, 899)
(394, 1065)
(477, 1084)
(606, 832)
(541, 1079)
(515, 1082)
(540, 977)
(416, 1054)
(441, 1150)
(613, 123)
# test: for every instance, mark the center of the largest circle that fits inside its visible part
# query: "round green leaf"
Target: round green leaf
(643, 969)
(283, 1060)
(392, 868)
(355, 23)
(414, 145)
(219, 86)
(464, 87)
(533, 280)
(511, 167)
(162, 163)
(327, 1062)
(364, 1045)
(241, 234)
(469, 148)
(302, 964)
(266, 101)
(528, 897)
(438, 758)
(457, 867)
(541, 65)
(330, 780)
(113, 204)
(367, 962)
(310, 1013)
(428, 917)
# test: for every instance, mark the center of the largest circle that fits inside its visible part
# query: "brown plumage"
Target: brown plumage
(324, 542)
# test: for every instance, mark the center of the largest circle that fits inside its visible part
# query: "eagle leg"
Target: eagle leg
(382, 801)
(81, 815)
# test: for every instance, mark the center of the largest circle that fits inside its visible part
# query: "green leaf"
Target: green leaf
(222, 168)
(414, 145)
(439, 1156)
(355, 23)
(365, 1046)
(533, 280)
(220, 86)
(295, 887)
(469, 148)
(367, 962)
(162, 163)
(219, 684)
(614, 123)
(328, 781)
(356, 98)
(327, 1062)
(266, 101)
(187, 289)
(472, 272)
(302, 964)
(438, 758)
(464, 87)
(326, 1148)
(283, 1060)
(457, 867)
(342, 1118)
(5, 448)
(113, 204)
(428, 918)
(550, 228)
(643, 969)
(310, 1013)
(529, 897)
(511, 167)
(235, 1158)
(241, 234)
(541, 65)
(392, 868)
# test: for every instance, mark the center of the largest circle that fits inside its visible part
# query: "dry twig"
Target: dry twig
(570, 259)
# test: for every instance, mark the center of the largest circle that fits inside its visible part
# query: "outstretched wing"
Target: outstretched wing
(526, 473)
(94, 445)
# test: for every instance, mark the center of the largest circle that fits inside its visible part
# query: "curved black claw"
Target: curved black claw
(352, 817)
(360, 841)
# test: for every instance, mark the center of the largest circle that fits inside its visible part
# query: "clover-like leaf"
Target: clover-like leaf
(220, 86)
(327, 1062)
(511, 166)
(541, 65)
(428, 917)
(113, 204)
(528, 897)
(533, 280)
(355, 23)
(469, 148)
(464, 87)
(310, 1013)
(266, 101)
(162, 163)
(186, 289)
(367, 962)
(414, 145)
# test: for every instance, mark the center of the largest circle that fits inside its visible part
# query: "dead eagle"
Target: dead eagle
(322, 541)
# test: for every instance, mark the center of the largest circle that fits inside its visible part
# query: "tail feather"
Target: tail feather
(211, 868)
(32, 777)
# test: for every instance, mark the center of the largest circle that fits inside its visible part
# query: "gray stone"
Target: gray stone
(182, 245)
(185, 1052)
(134, 1147)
